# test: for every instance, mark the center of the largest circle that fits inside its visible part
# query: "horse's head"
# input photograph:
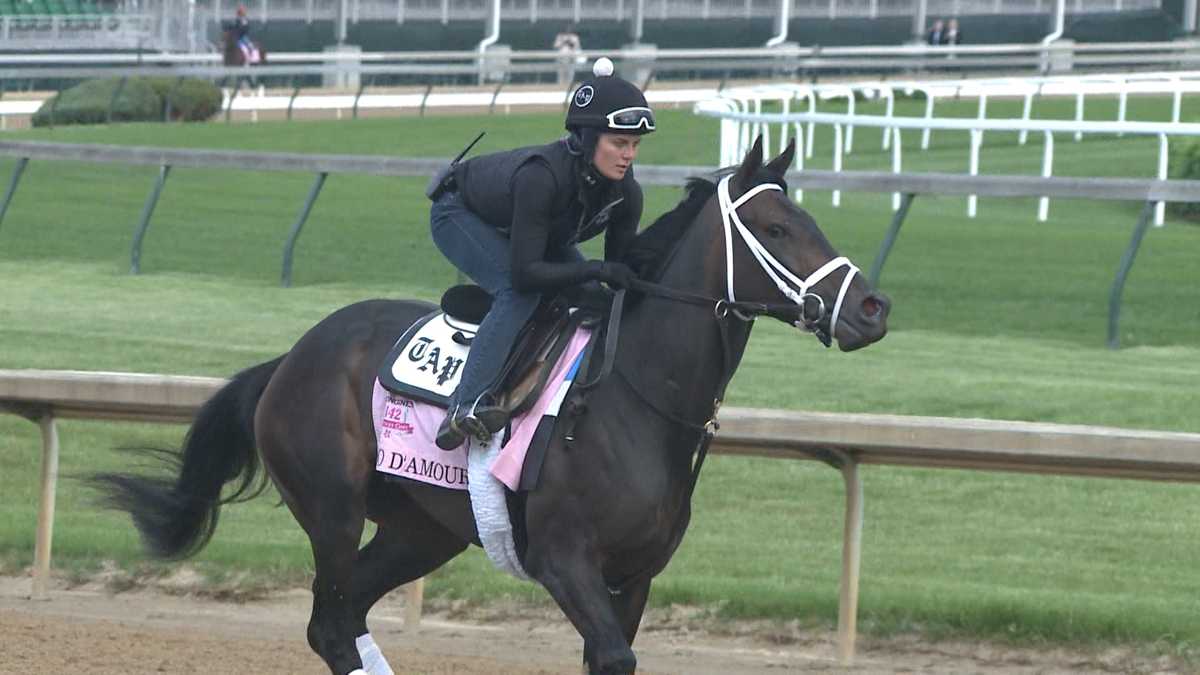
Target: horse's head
(776, 255)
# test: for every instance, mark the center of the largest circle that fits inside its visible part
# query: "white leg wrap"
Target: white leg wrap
(372, 658)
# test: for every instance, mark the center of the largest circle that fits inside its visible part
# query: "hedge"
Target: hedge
(139, 99)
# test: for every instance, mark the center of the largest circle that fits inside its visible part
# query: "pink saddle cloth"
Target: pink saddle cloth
(405, 430)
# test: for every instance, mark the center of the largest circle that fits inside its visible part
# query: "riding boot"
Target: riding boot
(480, 421)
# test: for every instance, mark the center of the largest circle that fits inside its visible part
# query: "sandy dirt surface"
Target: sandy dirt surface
(88, 629)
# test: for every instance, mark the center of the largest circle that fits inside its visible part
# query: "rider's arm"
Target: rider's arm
(533, 189)
(621, 233)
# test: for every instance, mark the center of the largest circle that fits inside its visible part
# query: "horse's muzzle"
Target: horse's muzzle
(863, 323)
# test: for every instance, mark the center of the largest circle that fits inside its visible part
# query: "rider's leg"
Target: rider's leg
(482, 253)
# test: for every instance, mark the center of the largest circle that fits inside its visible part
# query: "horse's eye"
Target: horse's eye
(776, 231)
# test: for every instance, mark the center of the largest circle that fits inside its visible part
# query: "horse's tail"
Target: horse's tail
(177, 515)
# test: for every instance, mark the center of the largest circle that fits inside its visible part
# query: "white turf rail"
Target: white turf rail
(741, 110)
(842, 440)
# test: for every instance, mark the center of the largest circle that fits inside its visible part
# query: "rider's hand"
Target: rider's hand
(615, 274)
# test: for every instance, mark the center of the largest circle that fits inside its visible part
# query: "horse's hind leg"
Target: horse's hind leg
(332, 513)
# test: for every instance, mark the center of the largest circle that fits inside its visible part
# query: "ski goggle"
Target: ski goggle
(631, 118)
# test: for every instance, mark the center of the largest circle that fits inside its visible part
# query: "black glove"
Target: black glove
(591, 295)
(615, 274)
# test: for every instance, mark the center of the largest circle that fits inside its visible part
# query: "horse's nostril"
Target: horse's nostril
(871, 306)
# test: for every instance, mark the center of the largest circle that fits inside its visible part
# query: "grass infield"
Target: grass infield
(999, 317)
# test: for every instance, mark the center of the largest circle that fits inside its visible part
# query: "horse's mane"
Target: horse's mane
(653, 245)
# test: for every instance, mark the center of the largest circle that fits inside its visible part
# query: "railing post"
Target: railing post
(1160, 209)
(45, 520)
(135, 256)
(112, 102)
(836, 197)
(976, 141)
(362, 86)
(18, 169)
(1114, 296)
(1047, 170)
(167, 103)
(889, 239)
(425, 99)
(285, 278)
(496, 91)
(237, 86)
(414, 602)
(851, 559)
(292, 101)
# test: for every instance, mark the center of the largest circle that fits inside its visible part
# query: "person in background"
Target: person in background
(952, 36)
(241, 31)
(568, 46)
(936, 34)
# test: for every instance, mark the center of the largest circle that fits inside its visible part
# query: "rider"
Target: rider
(511, 220)
(241, 34)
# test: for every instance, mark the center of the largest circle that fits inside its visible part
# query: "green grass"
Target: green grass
(998, 317)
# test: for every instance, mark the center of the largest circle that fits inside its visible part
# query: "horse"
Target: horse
(613, 500)
(232, 55)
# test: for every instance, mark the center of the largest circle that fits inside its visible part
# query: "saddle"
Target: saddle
(426, 362)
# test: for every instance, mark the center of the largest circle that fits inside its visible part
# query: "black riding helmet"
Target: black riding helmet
(609, 103)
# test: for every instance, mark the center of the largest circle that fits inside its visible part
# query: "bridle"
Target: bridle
(811, 306)
(776, 271)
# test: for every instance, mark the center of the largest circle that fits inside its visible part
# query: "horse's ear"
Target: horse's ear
(752, 163)
(783, 162)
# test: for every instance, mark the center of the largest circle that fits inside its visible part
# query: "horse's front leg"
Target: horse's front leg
(572, 576)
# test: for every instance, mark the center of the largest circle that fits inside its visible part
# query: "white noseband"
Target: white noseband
(774, 269)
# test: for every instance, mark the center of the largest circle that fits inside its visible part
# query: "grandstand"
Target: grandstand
(56, 25)
(394, 25)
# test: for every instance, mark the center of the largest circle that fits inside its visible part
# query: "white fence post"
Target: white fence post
(1079, 112)
(1160, 208)
(800, 149)
(925, 133)
(976, 141)
(1047, 170)
(837, 160)
(890, 109)
(896, 159)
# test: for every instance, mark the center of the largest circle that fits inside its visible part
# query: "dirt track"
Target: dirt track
(88, 630)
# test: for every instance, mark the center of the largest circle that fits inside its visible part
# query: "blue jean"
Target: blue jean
(482, 253)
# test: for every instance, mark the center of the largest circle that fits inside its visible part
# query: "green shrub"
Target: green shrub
(141, 99)
(194, 100)
(1185, 164)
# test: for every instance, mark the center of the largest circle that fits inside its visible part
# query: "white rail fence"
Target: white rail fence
(844, 441)
(782, 61)
(743, 119)
(622, 10)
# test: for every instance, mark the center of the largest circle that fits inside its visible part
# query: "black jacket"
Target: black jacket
(538, 197)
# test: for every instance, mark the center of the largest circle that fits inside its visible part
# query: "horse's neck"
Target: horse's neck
(675, 351)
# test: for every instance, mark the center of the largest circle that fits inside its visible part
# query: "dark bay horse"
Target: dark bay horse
(612, 504)
(232, 55)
